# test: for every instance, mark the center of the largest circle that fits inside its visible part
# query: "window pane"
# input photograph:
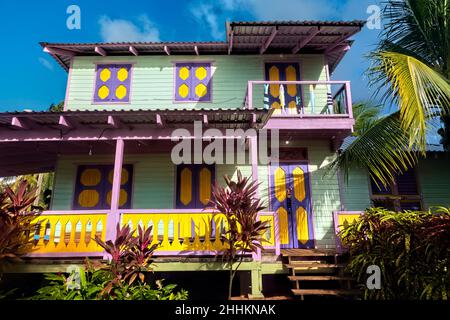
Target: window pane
(192, 81)
(113, 83)
(406, 183)
(379, 189)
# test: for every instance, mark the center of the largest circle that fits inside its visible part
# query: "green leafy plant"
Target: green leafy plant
(238, 203)
(412, 249)
(123, 277)
(410, 69)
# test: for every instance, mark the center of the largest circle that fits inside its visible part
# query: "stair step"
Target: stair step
(308, 266)
(319, 278)
(308, 253)
(327, 292)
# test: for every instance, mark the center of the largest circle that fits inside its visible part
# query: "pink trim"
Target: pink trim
(310, 123)
(100, 51)
(133, 50)
(114, 215)
(348, 99)
(196, 50)
(20, 123)
(65, 254)
(61, 52)
(74, 212)
(69, 81)
(167, 50)
(172, 211)
(254, 160)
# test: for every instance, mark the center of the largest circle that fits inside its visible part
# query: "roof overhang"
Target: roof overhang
(30, 142)
(272, 37)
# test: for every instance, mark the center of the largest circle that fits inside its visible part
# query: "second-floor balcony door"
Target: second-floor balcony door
(285, 99)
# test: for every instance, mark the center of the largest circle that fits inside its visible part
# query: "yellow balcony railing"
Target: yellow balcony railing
(69, 234)
(187, 232)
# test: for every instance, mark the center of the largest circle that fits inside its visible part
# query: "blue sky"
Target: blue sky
(33, 80)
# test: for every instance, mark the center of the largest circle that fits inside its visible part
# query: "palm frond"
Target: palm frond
(365, 115)
(418, 89)
(383, 150)
(421, 27)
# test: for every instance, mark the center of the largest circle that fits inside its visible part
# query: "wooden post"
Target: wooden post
(114, 215)
(348, 99)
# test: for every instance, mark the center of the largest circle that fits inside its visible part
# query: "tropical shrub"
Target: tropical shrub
(123, 277)
(412, 249)
(17, 220)
(238, 203)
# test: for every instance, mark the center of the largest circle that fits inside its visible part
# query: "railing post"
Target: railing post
(250, 95)
(276, 233)
(348, 99)
(114, 215)
(254, 159)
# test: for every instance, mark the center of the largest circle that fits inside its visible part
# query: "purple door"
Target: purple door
(275, 95)
(290, 197)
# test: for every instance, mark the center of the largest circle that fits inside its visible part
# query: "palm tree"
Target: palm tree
(365, 114)
(412, 67)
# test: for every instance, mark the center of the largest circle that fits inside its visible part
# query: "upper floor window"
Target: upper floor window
(193, 82)
(93, 187)
(402, 194)
(112, 83)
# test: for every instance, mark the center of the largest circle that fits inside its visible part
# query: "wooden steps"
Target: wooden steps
(324, 292)
(317, 272)
(308, 253)
(310, 266)
(319, 278)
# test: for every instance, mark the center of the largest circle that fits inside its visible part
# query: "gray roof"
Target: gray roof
(276, 37)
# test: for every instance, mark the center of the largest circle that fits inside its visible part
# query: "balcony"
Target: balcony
(70, 234)
(321, 108)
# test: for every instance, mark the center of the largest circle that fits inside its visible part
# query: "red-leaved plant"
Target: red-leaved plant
(17, 220)
(240, 206)
(131, 256)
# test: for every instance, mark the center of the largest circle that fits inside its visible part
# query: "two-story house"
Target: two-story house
(112, 148)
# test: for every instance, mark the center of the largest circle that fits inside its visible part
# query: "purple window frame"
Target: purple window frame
(192, 81)
(103, 187)
(112, 83)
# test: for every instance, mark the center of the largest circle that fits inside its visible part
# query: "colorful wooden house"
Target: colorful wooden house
(111, 146)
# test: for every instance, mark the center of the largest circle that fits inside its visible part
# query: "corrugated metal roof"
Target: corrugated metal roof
(301, 22)
(217, 117)
(242, 38)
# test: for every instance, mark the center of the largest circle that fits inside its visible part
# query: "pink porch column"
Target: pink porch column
(114, 215)
(254, 159)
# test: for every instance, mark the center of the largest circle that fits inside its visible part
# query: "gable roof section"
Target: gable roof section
(267, 37)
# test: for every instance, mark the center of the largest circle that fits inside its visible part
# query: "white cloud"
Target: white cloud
(119, 30)
(47, 64)
(206, 13)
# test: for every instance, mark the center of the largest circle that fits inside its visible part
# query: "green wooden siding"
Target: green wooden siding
(434, 180)
(356, 193)
(154, 179)
(153, 80)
